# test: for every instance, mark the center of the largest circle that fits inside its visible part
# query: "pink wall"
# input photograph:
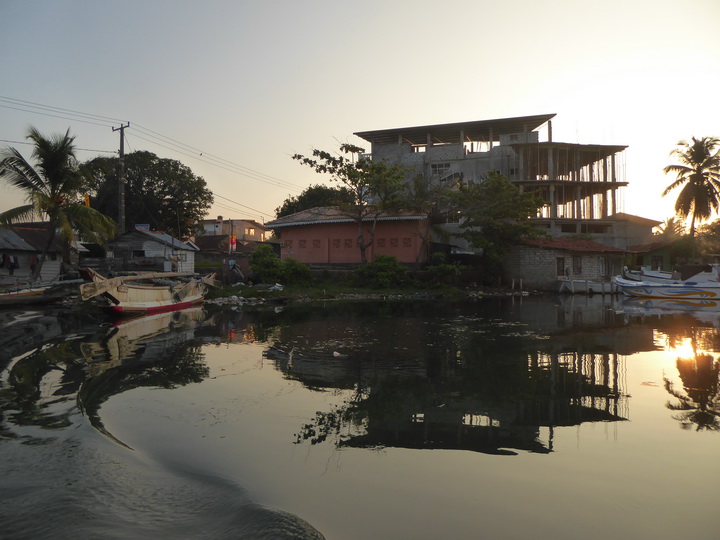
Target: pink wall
(337, 242)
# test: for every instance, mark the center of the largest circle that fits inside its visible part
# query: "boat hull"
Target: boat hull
(129, 296)
(641, 289)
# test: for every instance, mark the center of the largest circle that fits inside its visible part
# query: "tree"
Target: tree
(53, 190)
(375, 186)
(698, 173)
(671, 229)
(313, 197)
(161, 192)
(494, 216)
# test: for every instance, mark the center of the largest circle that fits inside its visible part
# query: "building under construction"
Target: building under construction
(580, 183)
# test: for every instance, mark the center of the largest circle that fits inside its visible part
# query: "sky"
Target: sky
(234, 88)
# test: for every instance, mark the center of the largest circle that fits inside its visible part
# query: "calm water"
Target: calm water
(511, 418)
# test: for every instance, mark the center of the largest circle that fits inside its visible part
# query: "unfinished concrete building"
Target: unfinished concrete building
(580, 183)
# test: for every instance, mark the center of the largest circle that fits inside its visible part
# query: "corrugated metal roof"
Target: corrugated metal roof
(161, 237)
(10, 240)
(332, 214)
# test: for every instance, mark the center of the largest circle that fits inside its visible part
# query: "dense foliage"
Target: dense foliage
(162, 193)
(495, 215)
(697, 173)
(266, 267)
(313, 197)
(53, 188)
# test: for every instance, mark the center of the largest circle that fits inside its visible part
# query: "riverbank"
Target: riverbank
(242, 294)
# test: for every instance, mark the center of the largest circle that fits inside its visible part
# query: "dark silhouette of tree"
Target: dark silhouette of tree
(698, 174)
(313, 197)
(161, 192)
(698, 404)
(54, 190)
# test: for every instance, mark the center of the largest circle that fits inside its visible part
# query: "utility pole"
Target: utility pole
(121, 179)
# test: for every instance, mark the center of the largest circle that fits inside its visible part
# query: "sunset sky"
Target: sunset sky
(247, 84)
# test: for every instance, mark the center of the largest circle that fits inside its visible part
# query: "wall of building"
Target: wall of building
(23, 272)
(336, 243)
(538, 268)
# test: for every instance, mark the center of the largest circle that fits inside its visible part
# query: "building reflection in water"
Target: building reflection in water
(483, 383)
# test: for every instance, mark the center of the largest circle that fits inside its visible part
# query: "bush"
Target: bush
(267, 267)
(441, 271)
(295, 272)
(384, 272)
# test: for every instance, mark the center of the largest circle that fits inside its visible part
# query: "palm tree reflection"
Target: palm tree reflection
(698, 404)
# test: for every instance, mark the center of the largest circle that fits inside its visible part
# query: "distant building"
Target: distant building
(244, 230)
(580, 183)
(326, 235)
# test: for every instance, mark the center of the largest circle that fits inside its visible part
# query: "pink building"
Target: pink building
(326, 235)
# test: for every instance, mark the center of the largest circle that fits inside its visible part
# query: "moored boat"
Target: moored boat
(678, 289)
(37, 293)
(146, 293)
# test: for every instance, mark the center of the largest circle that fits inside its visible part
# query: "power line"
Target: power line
(79, 149)
(152, 137)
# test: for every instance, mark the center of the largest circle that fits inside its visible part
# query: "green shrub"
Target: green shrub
(384, 272)
(267, 267)
(294, 272)
(265, 264)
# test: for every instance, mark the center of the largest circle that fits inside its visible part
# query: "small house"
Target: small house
(21, 248)
(540, 262)
(141, 249)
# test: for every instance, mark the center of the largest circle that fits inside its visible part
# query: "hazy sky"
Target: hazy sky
(249, 83)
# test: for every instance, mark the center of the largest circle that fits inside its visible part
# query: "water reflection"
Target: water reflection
(698, 403)
(429, 376)
(87, 362)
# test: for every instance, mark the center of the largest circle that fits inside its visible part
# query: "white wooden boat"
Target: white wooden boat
(679, 289)
(146, 292)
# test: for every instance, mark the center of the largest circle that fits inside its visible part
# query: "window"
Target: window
(407, 242)
(381, 242)
(577, 264)
(302, 243)
(316, 243)
(336, 243)
(288, 244)
(348, 243)
(439, 168)
(560, 266)
(250, 231)
(138, 253)
(394, 242)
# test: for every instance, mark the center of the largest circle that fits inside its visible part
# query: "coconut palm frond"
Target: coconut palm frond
(15, 215)
(19, 173)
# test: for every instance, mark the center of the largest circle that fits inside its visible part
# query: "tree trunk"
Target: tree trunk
(38, 269)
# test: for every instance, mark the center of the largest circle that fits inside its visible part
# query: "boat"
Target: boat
(676, 289)
(696, 272)
(149, 292)
(38, 293)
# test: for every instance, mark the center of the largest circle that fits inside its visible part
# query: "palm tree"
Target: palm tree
(698, 172)
(52, 190)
